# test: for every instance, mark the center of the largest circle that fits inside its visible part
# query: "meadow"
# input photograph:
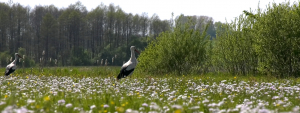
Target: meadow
(95, 89)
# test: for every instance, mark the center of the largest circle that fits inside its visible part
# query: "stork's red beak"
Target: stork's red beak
(137, 51)
(19, 56)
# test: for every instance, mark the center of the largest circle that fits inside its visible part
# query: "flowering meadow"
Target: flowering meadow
(47, 92)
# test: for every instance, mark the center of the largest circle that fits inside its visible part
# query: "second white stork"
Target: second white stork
(10, 68)
(128, 68)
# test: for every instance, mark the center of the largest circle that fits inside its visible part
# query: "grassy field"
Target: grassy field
(95, 89)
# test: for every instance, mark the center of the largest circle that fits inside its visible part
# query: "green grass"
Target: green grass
(95, 89)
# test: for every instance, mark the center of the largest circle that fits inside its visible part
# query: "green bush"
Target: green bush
(4, 58)
(26, 61)
(80, 57)
(178, 51)
(278, 39)
(233, 49)
(263, 42)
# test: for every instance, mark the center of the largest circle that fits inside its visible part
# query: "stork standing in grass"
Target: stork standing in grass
(10, 68)
(128, 68)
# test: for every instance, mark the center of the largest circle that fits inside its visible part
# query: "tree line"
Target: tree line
(260, 42)
(73, 36)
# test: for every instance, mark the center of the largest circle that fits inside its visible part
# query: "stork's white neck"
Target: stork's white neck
(132, 55)
(16, 59)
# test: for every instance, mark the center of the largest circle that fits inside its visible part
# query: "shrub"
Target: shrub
(178, 51)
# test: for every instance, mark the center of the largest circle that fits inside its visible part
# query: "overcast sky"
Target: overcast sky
(219, 10)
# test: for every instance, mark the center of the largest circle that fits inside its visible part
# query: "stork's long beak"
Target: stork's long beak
(19, 56)
(137, 51)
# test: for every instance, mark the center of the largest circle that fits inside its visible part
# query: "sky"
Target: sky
(219, 10)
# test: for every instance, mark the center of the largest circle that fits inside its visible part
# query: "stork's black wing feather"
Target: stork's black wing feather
(124, 73)
(8, 71)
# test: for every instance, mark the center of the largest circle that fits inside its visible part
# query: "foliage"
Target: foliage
(60, 31)
(49, 35)
(175, 51)
(25, 61)
(4, 58)
(120, 54)
(262, 42)
(265, 42)
(278, 39)
(233, 49)
(80, 57)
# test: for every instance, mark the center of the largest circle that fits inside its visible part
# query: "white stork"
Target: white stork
(10, 68)
(128, 68)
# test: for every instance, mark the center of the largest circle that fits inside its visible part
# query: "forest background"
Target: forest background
(256, 42)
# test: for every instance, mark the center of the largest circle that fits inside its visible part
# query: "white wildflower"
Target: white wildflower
(69, 105)
(105, 106)
(61, 102)
(145, 104)
(93, 106)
